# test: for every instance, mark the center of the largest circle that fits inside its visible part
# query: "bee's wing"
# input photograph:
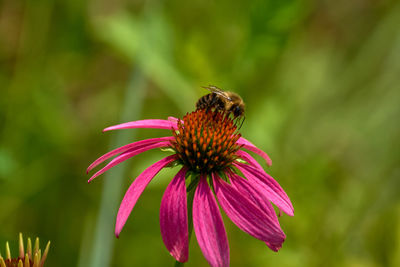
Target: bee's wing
(217, 91)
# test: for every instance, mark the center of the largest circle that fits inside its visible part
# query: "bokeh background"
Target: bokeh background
(321, 80)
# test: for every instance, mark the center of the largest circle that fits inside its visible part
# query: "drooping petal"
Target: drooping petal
(259, 199)
(249, 146)
(127, 155)
(274, 247)
(136, 189)
(209, 227)
(156, 124)
(247, 216)
(127, 147)
(254, 195)
(247, 157)
(272, 190)
(174, 218)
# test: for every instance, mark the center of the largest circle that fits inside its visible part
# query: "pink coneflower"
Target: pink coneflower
(208, 148)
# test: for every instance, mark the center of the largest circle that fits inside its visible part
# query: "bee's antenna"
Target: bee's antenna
(242, 122)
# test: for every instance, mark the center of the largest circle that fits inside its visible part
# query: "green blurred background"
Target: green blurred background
(321, 80)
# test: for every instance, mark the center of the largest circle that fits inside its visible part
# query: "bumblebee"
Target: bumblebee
(221, 100)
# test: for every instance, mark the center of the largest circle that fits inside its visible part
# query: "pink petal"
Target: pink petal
(247, 157)
(157, 124)
(136, 189)
(127, 155)
(209, 227)
(175, 120)
(122, 149)
(174, 218)
(254, 195)
(274, 247)
(247, 216)
(267, 185)
(249, 146)
(259, 199)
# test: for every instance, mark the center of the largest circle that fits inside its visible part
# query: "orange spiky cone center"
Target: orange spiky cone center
(205, 141)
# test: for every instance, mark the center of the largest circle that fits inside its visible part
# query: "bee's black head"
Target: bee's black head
(237, 110)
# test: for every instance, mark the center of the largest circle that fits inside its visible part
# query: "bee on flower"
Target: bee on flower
(213, 166)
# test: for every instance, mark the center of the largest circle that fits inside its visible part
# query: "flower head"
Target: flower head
(209, 150)
(205, 142)
(29, 259)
